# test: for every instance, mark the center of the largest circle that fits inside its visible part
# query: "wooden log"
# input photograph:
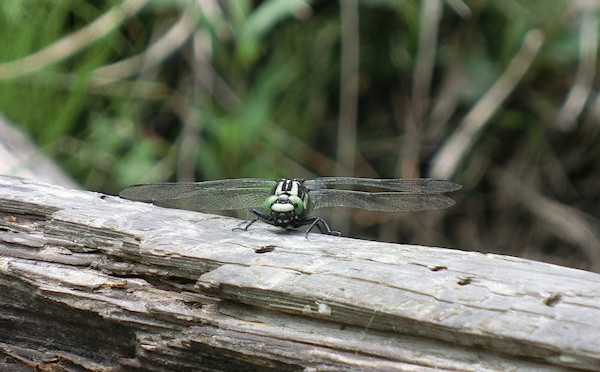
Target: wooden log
(95, 282)
(21, 158)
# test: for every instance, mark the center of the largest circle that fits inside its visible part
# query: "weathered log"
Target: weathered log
(95, 282)
(21, 158)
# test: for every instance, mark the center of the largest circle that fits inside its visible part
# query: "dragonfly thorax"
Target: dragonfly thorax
(287, 202)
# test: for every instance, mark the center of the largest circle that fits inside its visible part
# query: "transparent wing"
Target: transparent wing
(419, 185)
(203, 196)
(379, 201)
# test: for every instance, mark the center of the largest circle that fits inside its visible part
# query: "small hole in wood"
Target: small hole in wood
(464, 281)
(265, 249)
(437, 268)
(552, 299)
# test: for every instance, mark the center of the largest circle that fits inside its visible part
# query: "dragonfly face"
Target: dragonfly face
(287, 202)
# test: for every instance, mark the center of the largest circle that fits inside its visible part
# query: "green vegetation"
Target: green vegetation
(501, 96)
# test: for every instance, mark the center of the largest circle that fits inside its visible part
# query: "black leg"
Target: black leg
(320, 224)
(259, 216)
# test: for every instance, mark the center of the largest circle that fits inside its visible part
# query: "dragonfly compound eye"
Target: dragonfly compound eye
(269, 201)
(297, 203)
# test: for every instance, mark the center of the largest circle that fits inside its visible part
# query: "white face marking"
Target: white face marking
(294, 190)
(291, 188)
(282, 207)
(278, 190)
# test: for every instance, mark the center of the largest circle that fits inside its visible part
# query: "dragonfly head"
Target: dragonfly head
(287, 202)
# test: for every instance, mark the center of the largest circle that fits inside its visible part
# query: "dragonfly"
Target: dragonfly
(287, 203)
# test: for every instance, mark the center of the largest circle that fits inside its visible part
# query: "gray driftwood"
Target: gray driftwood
(20, 157)
(94, 282)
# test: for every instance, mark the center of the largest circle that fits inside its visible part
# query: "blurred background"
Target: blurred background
(500, 96)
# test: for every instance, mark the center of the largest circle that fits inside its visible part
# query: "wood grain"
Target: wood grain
(95, 282)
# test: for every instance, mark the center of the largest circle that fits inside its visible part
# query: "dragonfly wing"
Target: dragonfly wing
(203, 196)
(217, 199)
(166, 190)
(237, 183)
(419, 185)
(379, 201)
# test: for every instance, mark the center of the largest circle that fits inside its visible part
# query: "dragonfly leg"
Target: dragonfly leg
(320, 224)
(259, 216)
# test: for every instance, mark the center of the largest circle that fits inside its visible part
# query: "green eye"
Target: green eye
(298, 204)
(269, 201)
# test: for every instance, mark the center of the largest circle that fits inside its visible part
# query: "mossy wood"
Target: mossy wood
(89, 281)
